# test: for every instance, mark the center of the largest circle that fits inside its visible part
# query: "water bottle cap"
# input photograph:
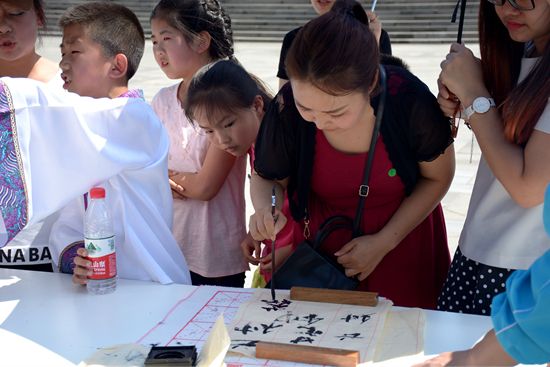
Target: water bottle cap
(97, 193)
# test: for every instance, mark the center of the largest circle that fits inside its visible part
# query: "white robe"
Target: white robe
(56, 146)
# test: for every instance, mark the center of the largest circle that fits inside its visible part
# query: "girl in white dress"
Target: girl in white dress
(208, 183)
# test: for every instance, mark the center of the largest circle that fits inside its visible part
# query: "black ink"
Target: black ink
(310, 330)
(312, 318)
(247, 328)
(270, 327)
(309, 319)
(350, 336)
(302, 339)
(275, 305)
(363, 318)
(243, 343)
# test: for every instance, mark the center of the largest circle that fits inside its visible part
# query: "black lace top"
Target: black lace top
(413, 127)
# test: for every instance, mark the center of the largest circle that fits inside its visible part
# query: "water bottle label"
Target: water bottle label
(101, 252)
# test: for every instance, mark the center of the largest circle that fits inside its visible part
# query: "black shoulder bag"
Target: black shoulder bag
(309, 267)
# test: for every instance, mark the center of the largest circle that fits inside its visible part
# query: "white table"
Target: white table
(45, 320)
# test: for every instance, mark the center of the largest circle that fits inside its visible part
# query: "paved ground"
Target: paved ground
(262, 58)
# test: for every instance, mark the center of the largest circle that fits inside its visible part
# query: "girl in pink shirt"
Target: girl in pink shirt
(228, 105)
(207, 183)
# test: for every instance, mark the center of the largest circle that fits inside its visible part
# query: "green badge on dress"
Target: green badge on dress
(392, 172)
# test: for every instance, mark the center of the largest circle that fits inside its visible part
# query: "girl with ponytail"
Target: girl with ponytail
(207, 183)
(228, 104)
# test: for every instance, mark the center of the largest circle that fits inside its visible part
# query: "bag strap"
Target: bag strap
(364, 188)
(330, 225)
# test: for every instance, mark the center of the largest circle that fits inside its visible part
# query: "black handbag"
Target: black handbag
(309, 267)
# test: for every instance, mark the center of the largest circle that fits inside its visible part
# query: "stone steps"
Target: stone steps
(418, 21)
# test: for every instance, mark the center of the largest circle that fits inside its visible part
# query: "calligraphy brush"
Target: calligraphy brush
(273, 202)
(462, 4)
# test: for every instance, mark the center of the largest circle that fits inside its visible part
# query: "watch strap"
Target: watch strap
(469, 111)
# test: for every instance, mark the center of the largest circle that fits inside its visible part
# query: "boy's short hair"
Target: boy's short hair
(115, 27)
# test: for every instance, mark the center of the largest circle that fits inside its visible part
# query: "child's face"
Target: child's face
(175, 56)
(330, 113)
(18, 31)
(84, 66)
(528, 25)
(322, 6)
(234, 132)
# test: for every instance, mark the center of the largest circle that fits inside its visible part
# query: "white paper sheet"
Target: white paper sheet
(306, 323)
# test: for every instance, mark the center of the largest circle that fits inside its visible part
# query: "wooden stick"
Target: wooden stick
(307, 354)
(334, 296)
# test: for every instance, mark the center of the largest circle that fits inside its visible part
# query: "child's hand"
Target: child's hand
(281, 254)
(251, 250)
(83, 267)
(177, 190)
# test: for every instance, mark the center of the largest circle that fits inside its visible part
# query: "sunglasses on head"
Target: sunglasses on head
(516, 4)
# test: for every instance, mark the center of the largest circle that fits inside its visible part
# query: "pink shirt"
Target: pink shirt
(208, 232)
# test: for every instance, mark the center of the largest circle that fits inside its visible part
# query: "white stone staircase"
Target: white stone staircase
(407, 21)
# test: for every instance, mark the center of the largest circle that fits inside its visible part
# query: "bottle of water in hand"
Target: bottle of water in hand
(99, 241)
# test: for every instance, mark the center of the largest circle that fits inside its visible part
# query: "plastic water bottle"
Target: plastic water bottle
(99, 241)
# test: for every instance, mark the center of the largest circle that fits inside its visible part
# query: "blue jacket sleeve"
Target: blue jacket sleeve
(521, 315)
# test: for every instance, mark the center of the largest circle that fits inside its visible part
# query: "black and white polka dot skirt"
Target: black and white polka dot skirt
(471, 286)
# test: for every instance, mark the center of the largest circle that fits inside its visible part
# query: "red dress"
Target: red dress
(413, 273)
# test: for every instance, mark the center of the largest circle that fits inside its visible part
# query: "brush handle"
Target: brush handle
(373, 6)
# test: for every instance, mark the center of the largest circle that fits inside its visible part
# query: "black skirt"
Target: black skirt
(471, 286)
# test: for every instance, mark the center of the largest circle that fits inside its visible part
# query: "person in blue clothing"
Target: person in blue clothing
(521, 319)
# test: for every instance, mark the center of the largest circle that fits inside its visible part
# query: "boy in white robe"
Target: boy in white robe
(98, 59)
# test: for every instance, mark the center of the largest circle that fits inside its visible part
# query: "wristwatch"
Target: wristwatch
(480, 105)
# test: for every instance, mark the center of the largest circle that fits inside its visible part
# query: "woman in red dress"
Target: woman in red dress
(315, 138)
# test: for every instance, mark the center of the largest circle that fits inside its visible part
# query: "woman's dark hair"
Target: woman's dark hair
(520, 105)
(223, 86)
(336, 52)
(194, 16)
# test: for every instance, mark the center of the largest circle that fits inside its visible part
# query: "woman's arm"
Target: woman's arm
(521, 320)
(362, 254)
(206, 183)
(524, 172)
(488, 352)
(262, 224)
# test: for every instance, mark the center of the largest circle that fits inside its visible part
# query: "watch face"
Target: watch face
(481, 105)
